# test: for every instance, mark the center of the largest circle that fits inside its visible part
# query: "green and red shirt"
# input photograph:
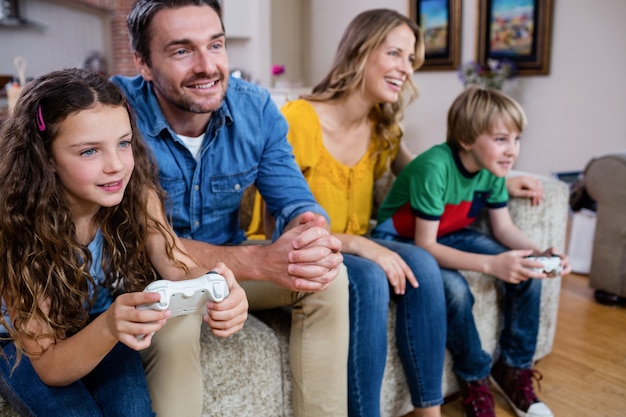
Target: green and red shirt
(436, 186)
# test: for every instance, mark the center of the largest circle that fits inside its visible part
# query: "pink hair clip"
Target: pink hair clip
(39, 119)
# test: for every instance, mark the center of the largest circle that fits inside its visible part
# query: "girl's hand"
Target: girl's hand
(398, 272)
(125, 322)
(229, 315)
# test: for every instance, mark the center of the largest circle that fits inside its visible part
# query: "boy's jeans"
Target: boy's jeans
(521, 303)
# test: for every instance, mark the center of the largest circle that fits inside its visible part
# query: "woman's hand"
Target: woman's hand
(398, 272)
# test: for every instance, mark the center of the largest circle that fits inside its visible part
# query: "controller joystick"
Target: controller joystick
(187, 296)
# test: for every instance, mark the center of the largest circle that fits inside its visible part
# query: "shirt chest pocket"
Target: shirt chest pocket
(478, 202)
(227, 191)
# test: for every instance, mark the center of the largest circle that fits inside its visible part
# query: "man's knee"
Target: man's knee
(328, 308)
(337, 293)
(178, 334)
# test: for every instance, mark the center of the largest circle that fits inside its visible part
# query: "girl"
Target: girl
(82, 232)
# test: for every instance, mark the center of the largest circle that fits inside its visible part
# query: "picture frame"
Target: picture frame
(516, 30)
(440, 21)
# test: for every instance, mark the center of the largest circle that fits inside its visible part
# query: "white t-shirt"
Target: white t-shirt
(193, 144)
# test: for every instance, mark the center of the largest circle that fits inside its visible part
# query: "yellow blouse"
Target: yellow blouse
(346, 193)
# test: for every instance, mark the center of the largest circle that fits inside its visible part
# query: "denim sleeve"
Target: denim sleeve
(279, 180)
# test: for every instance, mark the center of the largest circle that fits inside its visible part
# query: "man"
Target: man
(212, 138)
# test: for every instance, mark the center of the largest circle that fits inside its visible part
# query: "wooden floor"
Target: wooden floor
(585, 375)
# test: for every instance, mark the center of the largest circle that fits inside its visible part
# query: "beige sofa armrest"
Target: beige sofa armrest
(546, 226)
(546, 223)
(605, 177)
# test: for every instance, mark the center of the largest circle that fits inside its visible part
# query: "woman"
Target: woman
(345, 136)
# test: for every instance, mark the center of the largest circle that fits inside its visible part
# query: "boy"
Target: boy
(433, 201)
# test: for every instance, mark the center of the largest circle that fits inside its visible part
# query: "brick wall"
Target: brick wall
(121, 55)
(122, 58)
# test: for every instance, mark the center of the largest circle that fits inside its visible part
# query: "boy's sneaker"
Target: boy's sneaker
(477, 398)
(516, 385)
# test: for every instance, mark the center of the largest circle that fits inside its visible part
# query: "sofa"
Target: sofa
(248, 373)
(604, 181)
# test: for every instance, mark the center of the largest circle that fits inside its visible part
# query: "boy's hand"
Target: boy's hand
(513, 267)
(565, 266)
(525, 186)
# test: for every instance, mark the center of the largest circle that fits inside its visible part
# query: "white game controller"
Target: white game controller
(187, 296)
(551, 264)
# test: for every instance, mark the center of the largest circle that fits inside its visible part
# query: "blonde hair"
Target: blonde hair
(476, 111)
(365, 33)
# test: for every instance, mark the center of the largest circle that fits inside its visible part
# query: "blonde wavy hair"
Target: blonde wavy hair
(366, 32)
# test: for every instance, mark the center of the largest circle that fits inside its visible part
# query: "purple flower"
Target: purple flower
(492, 75)
(278, 70)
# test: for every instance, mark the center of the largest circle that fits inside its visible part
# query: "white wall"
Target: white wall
(253, 51)
(266, 32)
(576, 112)
(72, 31)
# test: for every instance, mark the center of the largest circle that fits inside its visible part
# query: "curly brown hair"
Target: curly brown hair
(40, 257)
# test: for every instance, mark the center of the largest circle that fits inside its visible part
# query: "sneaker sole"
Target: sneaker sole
(519, 412)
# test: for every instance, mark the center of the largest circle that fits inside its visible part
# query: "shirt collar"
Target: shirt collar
(459, 164)
(158, 123)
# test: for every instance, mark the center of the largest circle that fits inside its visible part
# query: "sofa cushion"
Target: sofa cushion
(248, 373)
(244, 374)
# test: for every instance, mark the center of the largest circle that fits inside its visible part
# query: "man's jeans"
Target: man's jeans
(420, 330)
(521, 303)
(116, 387)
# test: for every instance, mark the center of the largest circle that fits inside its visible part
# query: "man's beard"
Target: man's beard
(186, 102)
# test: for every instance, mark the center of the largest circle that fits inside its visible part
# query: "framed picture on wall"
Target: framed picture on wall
(440, 21)
(516, 30)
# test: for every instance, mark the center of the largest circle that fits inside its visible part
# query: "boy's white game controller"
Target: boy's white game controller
(187, 296)
(551, 264)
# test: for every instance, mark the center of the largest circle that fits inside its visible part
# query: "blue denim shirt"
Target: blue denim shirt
(245, 143)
